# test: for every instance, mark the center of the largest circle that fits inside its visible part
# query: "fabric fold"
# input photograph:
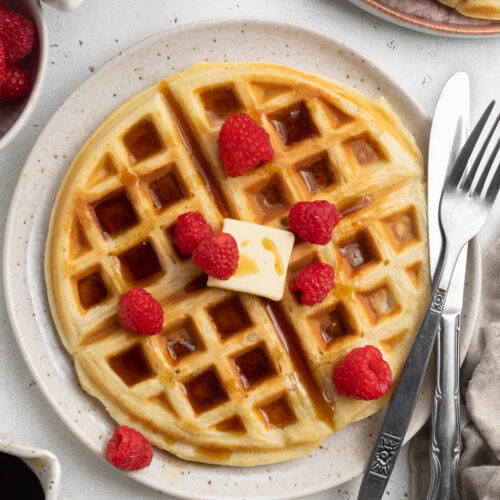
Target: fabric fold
(480, 406)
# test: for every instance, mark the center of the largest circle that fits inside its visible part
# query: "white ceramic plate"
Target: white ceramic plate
(344, 454)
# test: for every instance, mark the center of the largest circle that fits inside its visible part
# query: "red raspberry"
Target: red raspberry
(217, 255)
(2, 6)
(314, 221)
(3, 66)
(140, 313)
(243, 145)
(15, 84)
(363, 374)
(314, 281)
(18, 35)
(129, 449)
(190, 229)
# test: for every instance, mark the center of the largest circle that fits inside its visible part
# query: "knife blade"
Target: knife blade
(397, 417)
(449, 131)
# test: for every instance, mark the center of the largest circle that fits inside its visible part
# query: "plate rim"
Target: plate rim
(431, 27)
(16, 198)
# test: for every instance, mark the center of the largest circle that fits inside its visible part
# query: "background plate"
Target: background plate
(344, 454)
(429, 16)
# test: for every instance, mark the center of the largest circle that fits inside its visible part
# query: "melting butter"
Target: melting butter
(246, 266)
(278, 263)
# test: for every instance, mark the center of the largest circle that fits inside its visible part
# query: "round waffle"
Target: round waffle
(483, 9)
(236, 379)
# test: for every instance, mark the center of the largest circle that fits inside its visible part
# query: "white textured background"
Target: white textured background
(84, 40)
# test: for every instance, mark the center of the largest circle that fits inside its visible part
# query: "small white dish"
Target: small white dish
(65, 5)
(344, 454)
(43, 463)
(15, 114)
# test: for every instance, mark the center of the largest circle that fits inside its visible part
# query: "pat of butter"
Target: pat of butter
(264, 256)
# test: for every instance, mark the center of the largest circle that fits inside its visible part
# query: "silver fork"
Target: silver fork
(468, 196)
(467, 199)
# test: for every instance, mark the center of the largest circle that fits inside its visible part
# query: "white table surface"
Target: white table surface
(84, 40)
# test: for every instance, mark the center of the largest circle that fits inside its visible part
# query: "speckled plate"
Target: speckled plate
(429, 16)
(344, 454)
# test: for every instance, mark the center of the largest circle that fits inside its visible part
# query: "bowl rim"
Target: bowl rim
(43, 44)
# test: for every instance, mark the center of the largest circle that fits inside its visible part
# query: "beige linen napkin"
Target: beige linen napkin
(480, 405)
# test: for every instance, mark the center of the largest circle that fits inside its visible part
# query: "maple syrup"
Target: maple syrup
(356, 205)
(355, 254)
(91, 290)
(294, 124)
(166, 190)
(359, 250)
(205, 391)
(364, 150)
(317, 176)
(278, 414)
(181, 341)
(141, 261)
(290, 341)
(403, 227)
(229, 317)
(278, 262)
(381, 301)
(254, 366)
(269, 201)
(232, 425)
(115, 214)
(200, 162)
(131, 366)
(271, 197)
(196, 285)
(246, 266)
(220, 103)
(142, 141)
(333, 325)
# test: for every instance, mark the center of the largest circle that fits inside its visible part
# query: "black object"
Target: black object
(17, 480)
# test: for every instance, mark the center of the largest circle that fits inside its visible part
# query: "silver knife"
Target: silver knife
(450, 128)
(402, 402)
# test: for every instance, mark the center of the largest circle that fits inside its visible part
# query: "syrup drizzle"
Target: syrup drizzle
(358, 204)
(289, 338)
(246, 267)
(199, 160)
(278, 263)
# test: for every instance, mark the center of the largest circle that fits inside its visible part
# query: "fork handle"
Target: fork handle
(397, 417)
(445, 442)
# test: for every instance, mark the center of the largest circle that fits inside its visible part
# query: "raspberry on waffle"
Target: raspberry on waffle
(234, 378)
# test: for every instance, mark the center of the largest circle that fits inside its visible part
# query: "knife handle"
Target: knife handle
(445, 441)
(397, 417)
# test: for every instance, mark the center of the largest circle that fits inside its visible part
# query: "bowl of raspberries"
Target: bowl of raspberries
(23, 61)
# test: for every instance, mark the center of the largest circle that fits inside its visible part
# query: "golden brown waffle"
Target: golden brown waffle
(483, 9)
(236, 379)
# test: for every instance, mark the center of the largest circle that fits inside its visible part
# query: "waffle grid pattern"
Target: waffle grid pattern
(222, 375)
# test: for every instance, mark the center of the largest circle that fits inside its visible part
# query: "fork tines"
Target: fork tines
(479, 159)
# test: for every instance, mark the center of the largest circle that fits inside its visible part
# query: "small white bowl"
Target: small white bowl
(64, 5)
(43, 463)
(15, 114)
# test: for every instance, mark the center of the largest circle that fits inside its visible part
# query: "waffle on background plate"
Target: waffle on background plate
(483, 9)
(236, 379)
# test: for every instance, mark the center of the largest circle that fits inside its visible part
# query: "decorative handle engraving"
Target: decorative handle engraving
(445, 442)
(438, 300)
(385, 455)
